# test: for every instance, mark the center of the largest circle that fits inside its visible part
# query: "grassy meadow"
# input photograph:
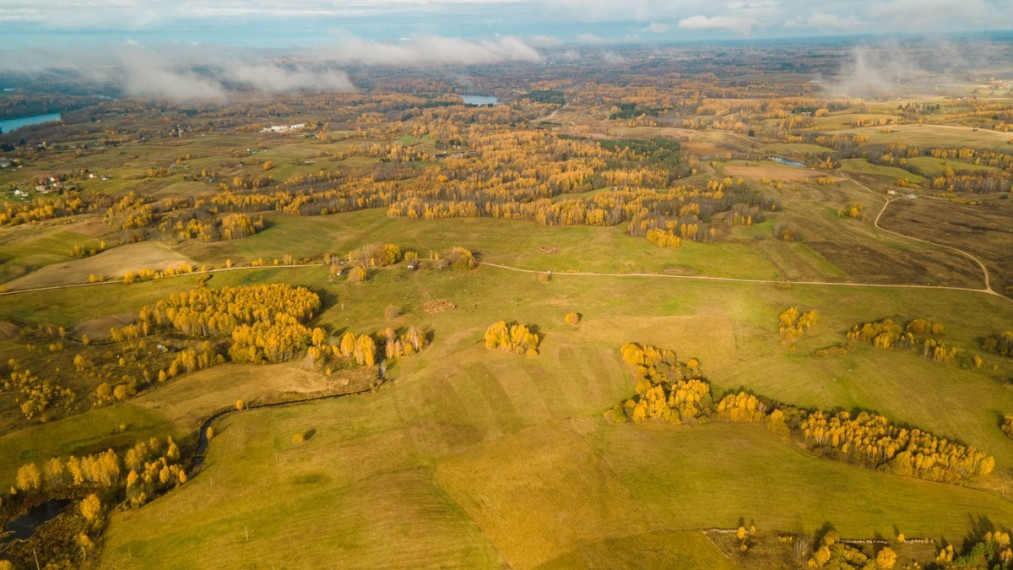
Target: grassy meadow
(429, 471)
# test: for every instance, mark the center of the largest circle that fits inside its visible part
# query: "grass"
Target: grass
(66, 307)
(447, 465)
(437, 453)
(932, 166)
(937, 136)
(863, 166)
(715, 474)
(358, 492)
(648, 550)
(501, 241)
(190, 399)
(23, 248)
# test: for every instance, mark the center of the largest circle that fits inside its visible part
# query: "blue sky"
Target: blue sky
(280, 24)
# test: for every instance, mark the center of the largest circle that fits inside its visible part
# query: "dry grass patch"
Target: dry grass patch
(193, 397)
(8, 330)
(98, 328)
(776, 173)
(110, 263)
(438, 306)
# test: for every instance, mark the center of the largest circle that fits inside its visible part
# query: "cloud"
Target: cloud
(183, 71)
(612, 58)
(179, 72)
(739, 26)
(827, 23)
(430, 50)
(892, 68)
(592, 39)
(570, 55)
(543, 41)
(657, 28)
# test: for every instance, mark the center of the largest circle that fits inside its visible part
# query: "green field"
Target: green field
(863, 166)
(437, 447)
(935, 166)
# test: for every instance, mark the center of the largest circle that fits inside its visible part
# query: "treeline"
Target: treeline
(674, 213)
(41, 208)
(676, 392)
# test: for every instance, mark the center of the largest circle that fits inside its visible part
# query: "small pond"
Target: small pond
(479, 100)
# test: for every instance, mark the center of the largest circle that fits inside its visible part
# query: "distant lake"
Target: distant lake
(787, 162)
(11, 124)
(478, 100)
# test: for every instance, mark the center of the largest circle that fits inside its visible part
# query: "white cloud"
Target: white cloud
(180, 72)
(612, 58)
(543, 41)
(657, 28)
(827, 23)
(184, 71)
(594, 40)
(740, 26)
(430, 50)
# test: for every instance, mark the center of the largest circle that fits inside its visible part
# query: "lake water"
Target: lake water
(9, 125)
(478, 100)
(785, 161)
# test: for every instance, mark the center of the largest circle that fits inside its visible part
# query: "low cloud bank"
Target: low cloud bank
(207, 72)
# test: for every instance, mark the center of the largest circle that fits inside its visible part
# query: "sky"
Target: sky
(307, 23)
(201, 49)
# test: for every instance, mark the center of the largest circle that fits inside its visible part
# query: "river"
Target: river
(23, 526)
(8, 125)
